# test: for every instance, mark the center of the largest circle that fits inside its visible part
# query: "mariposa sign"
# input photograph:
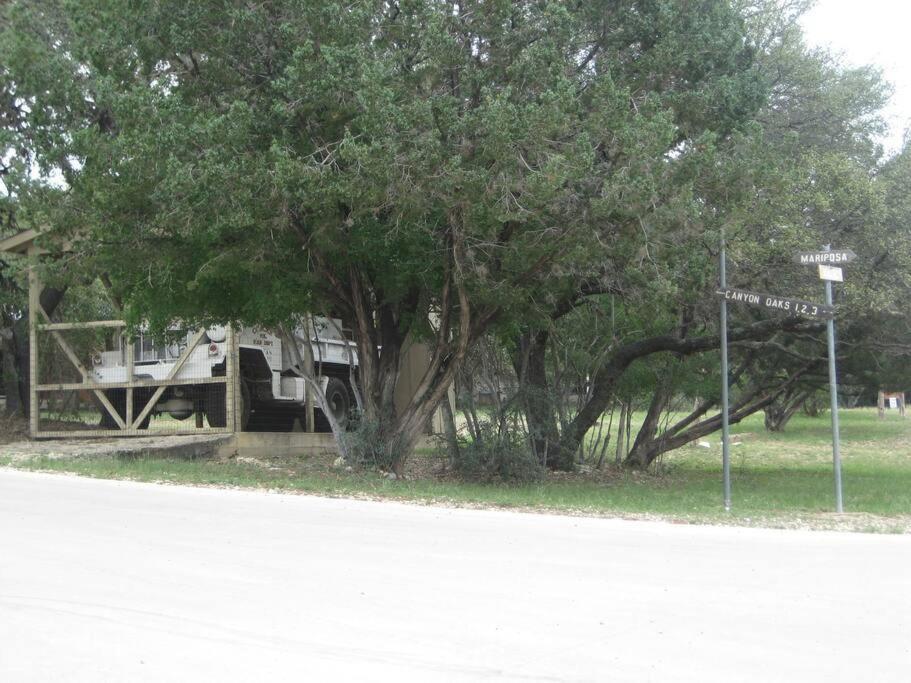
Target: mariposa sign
(834, 257)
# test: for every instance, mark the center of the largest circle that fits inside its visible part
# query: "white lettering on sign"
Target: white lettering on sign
(833, 257)
(774, 302)
(824, 257)
(745, 297)
(779, 303)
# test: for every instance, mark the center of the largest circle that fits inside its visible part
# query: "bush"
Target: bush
(364, 446)
(497, 455)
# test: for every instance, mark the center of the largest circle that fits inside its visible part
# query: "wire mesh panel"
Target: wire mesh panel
(89, 377)
(94, 379)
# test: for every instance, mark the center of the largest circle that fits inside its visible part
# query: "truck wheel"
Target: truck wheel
(244, 409)
(118, 399)
(215, 407)
(339, 404)
(140, 399)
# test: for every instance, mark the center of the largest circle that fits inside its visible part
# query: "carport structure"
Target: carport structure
(67, 400)
(61, 367)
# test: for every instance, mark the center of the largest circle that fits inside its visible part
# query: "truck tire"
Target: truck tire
(339, 403)
(215, 406)
(140, 399)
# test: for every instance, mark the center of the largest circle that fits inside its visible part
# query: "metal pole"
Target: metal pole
(725, 427)
(833, 392)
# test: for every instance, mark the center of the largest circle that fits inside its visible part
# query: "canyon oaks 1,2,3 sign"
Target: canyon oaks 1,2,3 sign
(778, 303)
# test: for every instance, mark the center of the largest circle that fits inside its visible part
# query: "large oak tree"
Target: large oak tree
(425, 168)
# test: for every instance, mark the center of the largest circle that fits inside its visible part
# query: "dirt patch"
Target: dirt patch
(146, 446)
(826, 521)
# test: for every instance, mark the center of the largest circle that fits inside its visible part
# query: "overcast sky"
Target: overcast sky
(871, 32)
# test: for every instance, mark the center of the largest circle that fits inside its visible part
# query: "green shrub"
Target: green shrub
(365, 446)
(499, 454)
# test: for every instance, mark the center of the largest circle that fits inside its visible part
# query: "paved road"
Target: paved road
(118, 581)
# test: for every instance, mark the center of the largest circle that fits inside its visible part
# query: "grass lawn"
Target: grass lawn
(778, 480)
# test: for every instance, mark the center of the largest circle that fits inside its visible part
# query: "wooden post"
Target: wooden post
(309, 418)
(74, 359)
(130, 364)
(231, 384)
(307, 358)
(881, 404)
(34, 299)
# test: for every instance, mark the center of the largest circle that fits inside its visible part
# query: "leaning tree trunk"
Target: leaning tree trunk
(775, 418)
(691, 427)
(779, 413)
(647, 445)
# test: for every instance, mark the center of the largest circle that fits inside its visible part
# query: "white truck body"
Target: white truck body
(262, 363)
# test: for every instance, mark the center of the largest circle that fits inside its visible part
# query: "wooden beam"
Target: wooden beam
(74, 359)
(19, 243)
(34, 303)
(92, 324)
(104, 433)
(130, 364)
(184, 357)
(231, 363)
(137, 384)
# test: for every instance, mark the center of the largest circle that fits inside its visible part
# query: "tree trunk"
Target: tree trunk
(538, 397)
(449, 427)
(305, 365)
(621, 433)
(406, 430)
(621, 358)
(10, 377)
(779, 413)
(646, 443)
(688, 429)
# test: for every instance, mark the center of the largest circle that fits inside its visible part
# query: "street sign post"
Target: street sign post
(725, 426)
(826, 260)
(773, 301)
(833, 396)
(778, 303)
